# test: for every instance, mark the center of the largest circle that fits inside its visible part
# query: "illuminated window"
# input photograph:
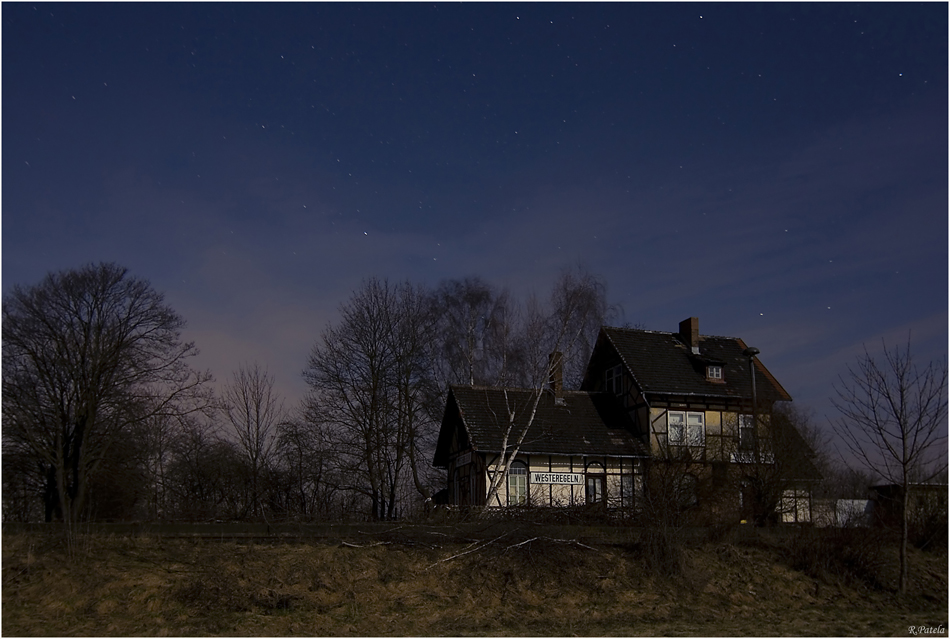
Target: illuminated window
(628, 490)
(685, 428)
(796, 506)
(517, 484)
(595, 483)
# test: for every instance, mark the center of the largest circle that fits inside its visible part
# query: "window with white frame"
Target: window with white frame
(613, 380)
(714, 373)
(685, 428)
(596, 480)
(517, 484)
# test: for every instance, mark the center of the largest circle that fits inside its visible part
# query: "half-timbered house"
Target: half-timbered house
(579, 448)
(650, 400)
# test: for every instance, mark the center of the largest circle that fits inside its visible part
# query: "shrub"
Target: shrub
(850, 555)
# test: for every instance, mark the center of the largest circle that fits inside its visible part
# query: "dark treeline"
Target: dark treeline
(104, 417)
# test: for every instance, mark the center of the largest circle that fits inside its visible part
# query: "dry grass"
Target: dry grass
(506, 584)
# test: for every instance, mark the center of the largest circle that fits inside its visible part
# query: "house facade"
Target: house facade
(579, 448)
(654, 407)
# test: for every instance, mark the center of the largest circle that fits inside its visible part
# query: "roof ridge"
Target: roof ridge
(485, 387)
(644, 330)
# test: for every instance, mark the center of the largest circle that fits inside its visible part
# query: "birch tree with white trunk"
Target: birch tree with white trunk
(552, 335)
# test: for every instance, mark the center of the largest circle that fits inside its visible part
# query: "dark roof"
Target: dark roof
(582, 424)
(661, 363)
(797, 456)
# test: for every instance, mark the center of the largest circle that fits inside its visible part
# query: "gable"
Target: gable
(453, 435)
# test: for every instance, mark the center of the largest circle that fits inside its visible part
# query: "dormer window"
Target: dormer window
(714, 373)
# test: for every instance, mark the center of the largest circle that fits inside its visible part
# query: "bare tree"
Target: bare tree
(254, 412)
(844, 482)
(305, 461)
(348, 376)
(214, 482)
(87, 354)
(667, 507)
(893, 421)
(378, 378)
(25, 482)
(578, 309)
(200, 477)
(416, 390)
(474, 323)
(158, 437)
(567, 324)
(368, 381)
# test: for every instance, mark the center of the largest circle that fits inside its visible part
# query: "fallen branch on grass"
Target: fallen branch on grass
(378, 543)
(362, 532)
(560, 541)
(526, 541)
(467, 552)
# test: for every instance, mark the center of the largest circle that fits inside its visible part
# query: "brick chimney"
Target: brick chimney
(556, 371)
(689, 333)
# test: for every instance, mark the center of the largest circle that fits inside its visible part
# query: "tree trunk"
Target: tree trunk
(51, 496)
(902, 579)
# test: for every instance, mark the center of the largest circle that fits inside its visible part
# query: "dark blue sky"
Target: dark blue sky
(778, 170)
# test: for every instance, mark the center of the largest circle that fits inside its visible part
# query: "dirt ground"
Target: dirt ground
(516, 583)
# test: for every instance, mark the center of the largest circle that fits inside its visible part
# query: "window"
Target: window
(714, 373)
(595, 483)
(695, 429)
(595, 489)
(795, 506)
(675, 427)
(517, 484)
(613, 380)
(746, 433)
(683, 428)
(628, 491)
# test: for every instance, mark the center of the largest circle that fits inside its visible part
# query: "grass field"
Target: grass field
(478, 581)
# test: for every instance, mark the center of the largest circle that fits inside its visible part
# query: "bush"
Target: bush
(850, 555)
(929, 531)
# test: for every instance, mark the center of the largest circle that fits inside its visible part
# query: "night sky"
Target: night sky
(779, 171)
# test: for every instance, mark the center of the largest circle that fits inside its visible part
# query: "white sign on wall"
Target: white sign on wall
(574, 479)
(463, 459)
